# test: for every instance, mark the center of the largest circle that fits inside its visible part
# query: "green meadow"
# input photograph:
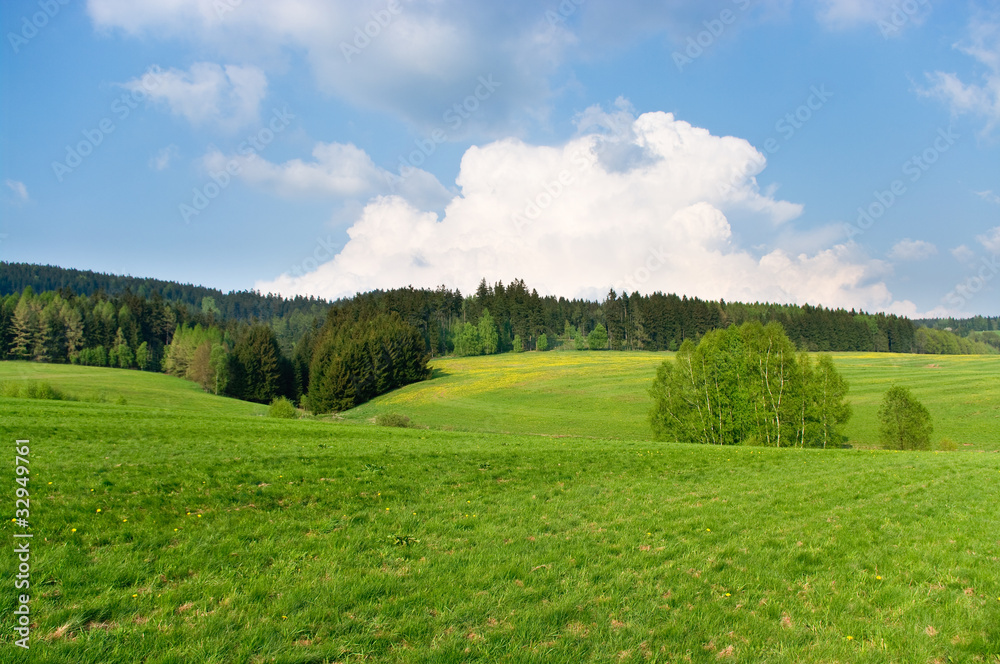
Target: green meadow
(603, 394)
(171, 525)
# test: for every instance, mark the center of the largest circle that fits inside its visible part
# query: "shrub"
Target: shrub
(392, 420)
(598, 338)
(543, 342)
(947, 445)
(283, 408)
(39, 390)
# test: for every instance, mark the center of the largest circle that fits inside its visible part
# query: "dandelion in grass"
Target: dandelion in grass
(98, 509)
(878, 577)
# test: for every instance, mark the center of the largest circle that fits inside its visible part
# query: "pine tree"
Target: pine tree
(73, 320)
(25, 329)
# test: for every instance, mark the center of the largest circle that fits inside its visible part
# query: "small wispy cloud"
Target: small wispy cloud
(980, 99)
(989, 196)
(990, 240)
(912, 250)
(963, 254)
(161, 161)
(20, 191)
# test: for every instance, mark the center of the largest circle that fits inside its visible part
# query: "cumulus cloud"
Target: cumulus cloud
(980, 99)
(227, 96)
(339, 170)
(580, 218)
(912, 250)
(20, 191)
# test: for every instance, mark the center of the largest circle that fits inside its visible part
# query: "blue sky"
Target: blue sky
(834, 152)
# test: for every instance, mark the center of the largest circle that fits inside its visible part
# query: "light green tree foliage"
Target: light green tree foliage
(518, 344)
(581, 341)
(467, 341)
(543, 342)
(598, 338)
(904, 422)
(201, 355)
(488, 336)
(208, 306)
(747, 385)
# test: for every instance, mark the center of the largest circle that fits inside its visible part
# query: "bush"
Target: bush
(904, 422)
(40, 390)
(283, 408)
(598, 338)
(543, 343)
(947, 445)
(392, 420)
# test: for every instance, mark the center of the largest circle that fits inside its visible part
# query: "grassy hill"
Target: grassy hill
(178, 526)
(604, 394)
(134, 388)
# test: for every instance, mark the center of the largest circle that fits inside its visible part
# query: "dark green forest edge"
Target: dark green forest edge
(330, 356)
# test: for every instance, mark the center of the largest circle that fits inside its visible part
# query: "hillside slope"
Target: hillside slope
(605, 394)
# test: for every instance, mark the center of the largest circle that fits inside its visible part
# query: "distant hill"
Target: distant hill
(236, 305)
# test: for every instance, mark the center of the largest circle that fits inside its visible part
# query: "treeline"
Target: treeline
(236, 305)
(123, 331)
(451, 323)
(331, 356)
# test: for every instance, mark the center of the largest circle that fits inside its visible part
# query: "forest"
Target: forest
(342, 353)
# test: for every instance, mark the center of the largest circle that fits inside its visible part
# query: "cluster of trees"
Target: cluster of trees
(124, 331)
(356, 359)
(748, 384)
(946, 342)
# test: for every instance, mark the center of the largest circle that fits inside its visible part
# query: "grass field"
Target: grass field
(178, 527)
(604, 394)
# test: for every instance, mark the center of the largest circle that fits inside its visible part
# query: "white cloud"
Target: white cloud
(641, 209)
(990, 240)
(989, 196)
(980, 99)
(889, 16)
(418, 58)
(227, 96)
(339, 170)
(414, 59)
(161, 160)
(963, 254)
(912, 250)
(20, 191)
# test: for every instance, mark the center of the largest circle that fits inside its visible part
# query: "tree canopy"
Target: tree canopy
(748, 385)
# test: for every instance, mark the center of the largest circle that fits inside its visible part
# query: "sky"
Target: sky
(843, 153)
